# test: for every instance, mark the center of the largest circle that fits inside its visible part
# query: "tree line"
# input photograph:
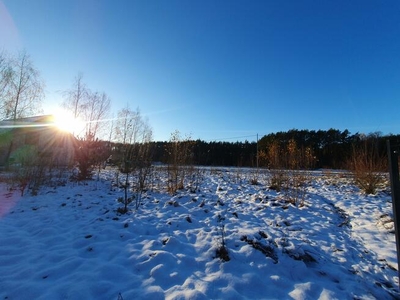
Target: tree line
(212, 153)
(331, 148)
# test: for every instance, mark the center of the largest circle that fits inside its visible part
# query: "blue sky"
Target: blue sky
(220, 69)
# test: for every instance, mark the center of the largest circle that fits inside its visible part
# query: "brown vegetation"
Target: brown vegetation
(367, 166)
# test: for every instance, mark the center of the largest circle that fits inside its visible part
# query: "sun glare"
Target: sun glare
(66, 122)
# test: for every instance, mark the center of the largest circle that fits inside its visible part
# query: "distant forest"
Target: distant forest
(331, 148)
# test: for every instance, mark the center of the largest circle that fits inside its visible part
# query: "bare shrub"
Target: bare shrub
(278, 179)
(23, 167)
(136, 169)
(299, 161)
(196, 178)
(276, 164)
(289, 168)
(179, 161)
(367, 165)
(254, 181)
(30, 169)
(141, 169)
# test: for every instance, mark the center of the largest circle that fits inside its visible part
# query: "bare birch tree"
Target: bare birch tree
(135, 135)
(76, 96)
(129, 126)
(95, 112)
(21, 90)
(91, 107)
(91, 150)
(21, 87)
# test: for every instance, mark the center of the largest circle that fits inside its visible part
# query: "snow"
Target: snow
(68, 242)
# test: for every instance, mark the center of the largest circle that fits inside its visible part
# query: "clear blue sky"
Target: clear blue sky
(221, 69)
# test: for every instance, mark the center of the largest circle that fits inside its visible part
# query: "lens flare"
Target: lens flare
(65, 121)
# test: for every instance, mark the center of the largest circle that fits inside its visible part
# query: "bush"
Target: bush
(90, 152)
(179, 162)
(367, 165)
(289, 165)
(30, 169)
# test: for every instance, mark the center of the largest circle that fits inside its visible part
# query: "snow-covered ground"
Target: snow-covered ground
(69, 242)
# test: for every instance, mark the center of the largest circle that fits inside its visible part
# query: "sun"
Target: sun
(66, 122)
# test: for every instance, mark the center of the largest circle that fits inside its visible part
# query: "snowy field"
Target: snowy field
(69, 242)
